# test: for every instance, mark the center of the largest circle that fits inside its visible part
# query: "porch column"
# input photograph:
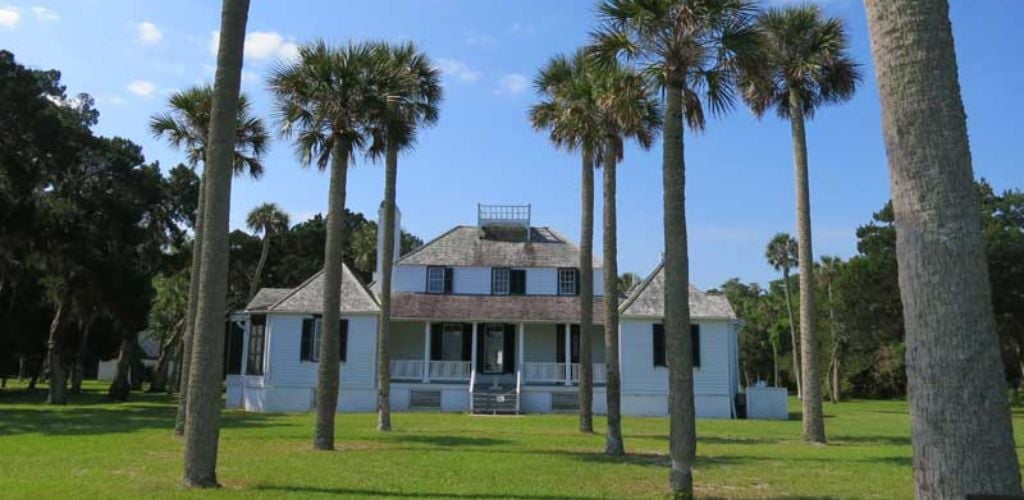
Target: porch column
(426, 352)
(521, 350)
(568, 354)
(472, 354)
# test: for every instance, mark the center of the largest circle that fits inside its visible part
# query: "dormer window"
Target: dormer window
(439, 279)
(568, 281)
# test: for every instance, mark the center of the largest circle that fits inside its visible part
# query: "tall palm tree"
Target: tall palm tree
(804, 64)
(568, 111)
(829, 270)
(326, 99)
(693, 48)
(411, 99)
(627, 109)
(781, 254)
(963, 437)
(269, 220)
(204, 396)
(186, 125)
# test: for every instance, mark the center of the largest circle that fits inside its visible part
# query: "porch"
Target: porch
(452, 352)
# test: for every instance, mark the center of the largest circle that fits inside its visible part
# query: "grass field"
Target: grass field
(92, 448)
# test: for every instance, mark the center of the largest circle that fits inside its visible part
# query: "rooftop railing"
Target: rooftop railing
(503, 215)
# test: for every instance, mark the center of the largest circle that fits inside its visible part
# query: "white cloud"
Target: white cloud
(480, 40)
(511, 84)
(458, 70)
(262, 45)
(10, 16)
(518, 28)
(148, 33)
(142, 88)
(45, 15)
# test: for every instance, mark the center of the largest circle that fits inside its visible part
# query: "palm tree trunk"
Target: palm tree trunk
(255, 287)
(202, 427)
(327, 372)
(794, 339)
(586, 396)
(57, 394)
(962, 433)
(813, 420)
(613, 386)
(190, 312)
(678, 345)
(387, 265)
(833, 364)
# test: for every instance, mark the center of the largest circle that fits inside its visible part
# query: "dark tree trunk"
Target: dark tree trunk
(164, 362)
(679, 351)
(613, 386)
(264, 251)
(57, 394)
(793, 336)
(962, 431)
(586, 396)
(121, 385)
(327, 372)
(387, 266)
(83, 353)
(202, 428)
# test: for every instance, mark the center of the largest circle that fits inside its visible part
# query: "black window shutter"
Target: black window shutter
(510, 349)
(695, 340)
(574, 341)
(448, 279)
(658, 338)
(517, 282)
(576, 279)
(342, 340)
(559, 343)
(306, 348)
(467, 341)
(436, 341)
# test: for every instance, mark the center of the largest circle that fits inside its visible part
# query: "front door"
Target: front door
(494, 349)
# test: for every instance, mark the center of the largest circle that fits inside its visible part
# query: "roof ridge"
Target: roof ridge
(364, 288)
(643, 286)
(296, 289)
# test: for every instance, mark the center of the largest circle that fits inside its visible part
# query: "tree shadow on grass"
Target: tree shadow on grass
(357, 492)
(449, 441)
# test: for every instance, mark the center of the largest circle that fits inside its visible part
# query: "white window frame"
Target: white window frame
(563, 274)
(501, 276)
(435, 276)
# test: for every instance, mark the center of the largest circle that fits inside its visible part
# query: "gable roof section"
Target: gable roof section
(648, 300)
(266, 297)
(308, 297)
(470, 246)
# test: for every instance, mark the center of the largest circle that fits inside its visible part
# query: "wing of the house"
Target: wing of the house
(713, 334)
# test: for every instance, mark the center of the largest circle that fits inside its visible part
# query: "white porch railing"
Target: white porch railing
(450, 370)
(407, 369)
(555, 372)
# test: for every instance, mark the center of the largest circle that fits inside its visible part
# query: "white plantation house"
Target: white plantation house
(485, 319)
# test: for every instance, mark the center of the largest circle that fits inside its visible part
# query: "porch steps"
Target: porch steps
(490, 400)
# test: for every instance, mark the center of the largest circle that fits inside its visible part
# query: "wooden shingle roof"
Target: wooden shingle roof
(473, 246)
(648, 300)
(308, 297)
(556, 309)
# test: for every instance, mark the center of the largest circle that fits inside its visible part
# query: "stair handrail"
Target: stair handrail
(472, 384)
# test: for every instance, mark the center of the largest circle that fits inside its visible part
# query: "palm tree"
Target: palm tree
(627, 109)
(627, 281)
(963, 437)
(270, 220)
(830, 266)
(186, 126)
(568, 111)
(782, 254)
(412, 98)
(804, 64)
(693, 49)
(326, 99)
(204, 396)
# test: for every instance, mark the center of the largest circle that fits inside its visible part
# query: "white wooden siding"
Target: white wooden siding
(541, 281)
(472, 280)
(284, 350)
(409, 279)
(641, 377)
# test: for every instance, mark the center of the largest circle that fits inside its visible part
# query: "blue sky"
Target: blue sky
(129, 55)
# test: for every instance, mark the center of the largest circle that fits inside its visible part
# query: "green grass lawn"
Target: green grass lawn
(92, 448)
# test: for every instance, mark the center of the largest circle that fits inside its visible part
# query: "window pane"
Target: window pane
(435, 279)
(566, 281)
(315, 352)
(500, 281)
